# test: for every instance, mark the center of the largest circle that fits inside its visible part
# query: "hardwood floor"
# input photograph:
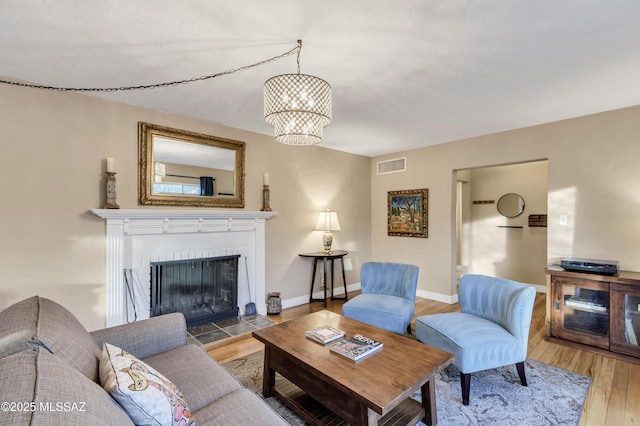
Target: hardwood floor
(614, 393)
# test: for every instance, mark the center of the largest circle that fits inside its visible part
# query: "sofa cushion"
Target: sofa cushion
(147, 337)
(146, 395)
(53, 393)
(41, 322)
(242, 407)
(196, 374)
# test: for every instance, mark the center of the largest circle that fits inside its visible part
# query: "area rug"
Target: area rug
(554, 396)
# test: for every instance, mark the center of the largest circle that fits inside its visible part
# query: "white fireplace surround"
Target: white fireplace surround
(137, 237)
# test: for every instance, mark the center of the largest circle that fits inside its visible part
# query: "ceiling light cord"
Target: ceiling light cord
(159, 85)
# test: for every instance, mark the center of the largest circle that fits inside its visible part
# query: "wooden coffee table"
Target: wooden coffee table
(316, 383)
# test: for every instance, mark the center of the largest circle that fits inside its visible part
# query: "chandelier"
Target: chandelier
(298, 106)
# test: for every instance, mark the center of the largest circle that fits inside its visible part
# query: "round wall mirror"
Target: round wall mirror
(511, 205)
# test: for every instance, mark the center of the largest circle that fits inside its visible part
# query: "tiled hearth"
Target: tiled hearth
(223, 329)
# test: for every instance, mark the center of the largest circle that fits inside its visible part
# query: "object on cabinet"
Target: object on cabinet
(596, 266)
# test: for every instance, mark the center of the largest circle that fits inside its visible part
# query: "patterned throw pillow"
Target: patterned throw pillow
(147, 396)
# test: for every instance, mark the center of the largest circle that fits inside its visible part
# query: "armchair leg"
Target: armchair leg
(465, 381)
(409, 329)
(523, 377)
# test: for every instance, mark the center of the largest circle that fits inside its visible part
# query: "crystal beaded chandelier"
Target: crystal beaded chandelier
(298, 106)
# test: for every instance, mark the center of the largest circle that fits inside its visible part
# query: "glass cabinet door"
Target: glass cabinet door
(625, 324)
(581, 311)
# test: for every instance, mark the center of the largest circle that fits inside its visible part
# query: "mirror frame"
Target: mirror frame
(146, 132)
(511, 195)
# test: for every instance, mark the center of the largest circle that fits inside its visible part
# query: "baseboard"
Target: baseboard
(437, 297)
(301, 300)
(539, 288)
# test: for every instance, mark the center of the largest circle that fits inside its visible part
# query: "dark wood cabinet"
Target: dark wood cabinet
(601, 312)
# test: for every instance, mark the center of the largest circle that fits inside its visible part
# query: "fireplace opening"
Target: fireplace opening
(204, 290)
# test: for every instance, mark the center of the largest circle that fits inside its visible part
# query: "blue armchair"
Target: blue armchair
(492, 329)
(388, 296)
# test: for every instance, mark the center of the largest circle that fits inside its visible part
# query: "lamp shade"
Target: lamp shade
(328, 221)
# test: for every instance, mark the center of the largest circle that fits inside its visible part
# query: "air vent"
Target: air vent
(392, 166)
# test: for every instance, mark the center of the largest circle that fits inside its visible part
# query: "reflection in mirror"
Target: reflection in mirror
(189, 168)
(510, 205)
(182, 168)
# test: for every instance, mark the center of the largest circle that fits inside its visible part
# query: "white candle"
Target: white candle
(265, 179)
(110, 167)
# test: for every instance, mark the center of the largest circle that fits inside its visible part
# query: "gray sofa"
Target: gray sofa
(50, 370)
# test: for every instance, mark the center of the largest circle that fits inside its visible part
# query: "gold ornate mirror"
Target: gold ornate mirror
(182, 168)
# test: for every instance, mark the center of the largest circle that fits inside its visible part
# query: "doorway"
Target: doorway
(490, 243)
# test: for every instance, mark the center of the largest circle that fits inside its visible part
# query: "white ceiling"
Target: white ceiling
(404, 74)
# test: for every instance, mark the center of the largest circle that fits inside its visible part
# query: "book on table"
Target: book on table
(325, 334)
(356, 347)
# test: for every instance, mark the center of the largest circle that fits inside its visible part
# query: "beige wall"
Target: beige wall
(52, 152)
(594, 170)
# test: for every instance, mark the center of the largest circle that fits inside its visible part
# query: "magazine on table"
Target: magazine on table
(325, 334)
(356, 347)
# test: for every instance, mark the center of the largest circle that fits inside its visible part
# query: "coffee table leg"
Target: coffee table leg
(372, 418)
(365, 416)
(429, 403)
(269, 375)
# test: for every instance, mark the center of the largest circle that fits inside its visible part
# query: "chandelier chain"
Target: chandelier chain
(159, 85)
(299, 50)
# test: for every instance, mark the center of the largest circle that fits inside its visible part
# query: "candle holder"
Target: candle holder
(111, 191)
(265, 199)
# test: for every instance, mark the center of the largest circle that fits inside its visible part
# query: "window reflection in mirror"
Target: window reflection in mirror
(192, 169)
(183, 168)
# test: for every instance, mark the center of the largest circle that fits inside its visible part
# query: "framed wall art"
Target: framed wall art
(407, 213)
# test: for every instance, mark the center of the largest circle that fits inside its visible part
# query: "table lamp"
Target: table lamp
(327, 222)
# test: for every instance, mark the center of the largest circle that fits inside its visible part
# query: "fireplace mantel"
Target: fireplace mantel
(178, 213)
(126, 226)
